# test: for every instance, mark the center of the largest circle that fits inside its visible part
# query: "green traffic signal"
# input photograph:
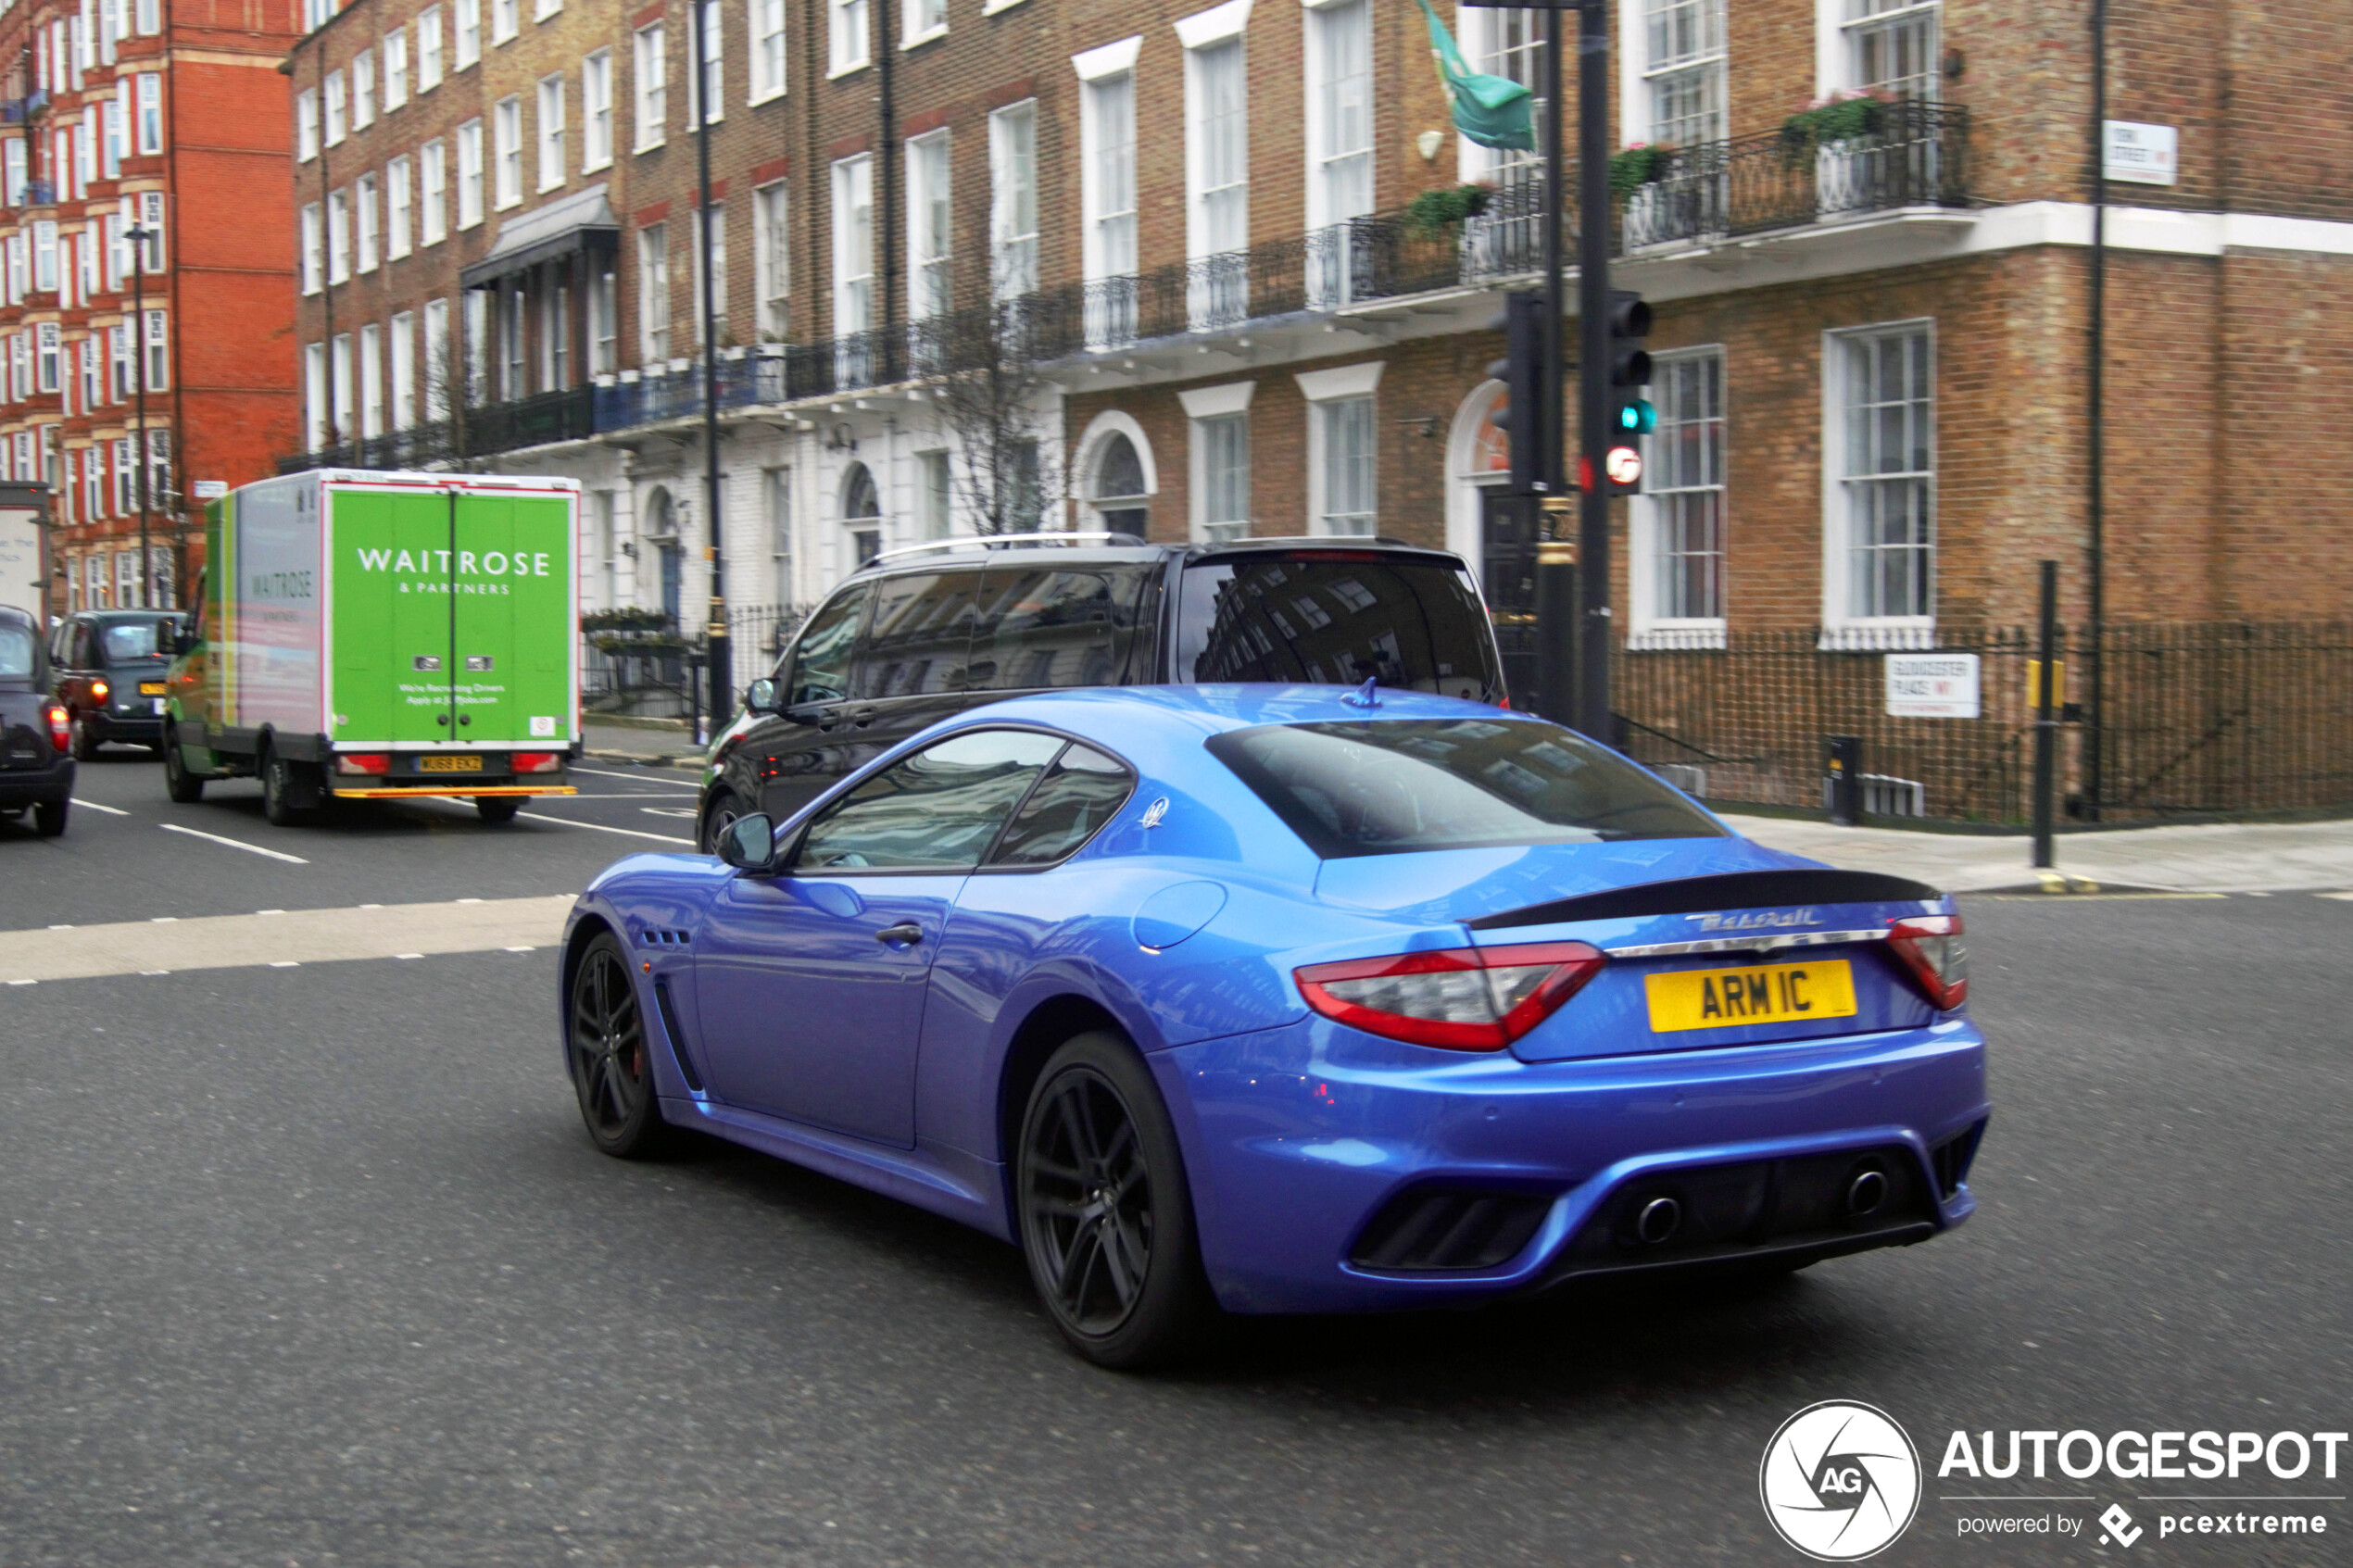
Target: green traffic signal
(1637, 416)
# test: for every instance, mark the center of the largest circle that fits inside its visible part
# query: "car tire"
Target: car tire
(496, 810)
(84, 746)
(724, 809)
(608, 1052)
(1105, 1216)
(277, 791)
(49, 817)
(185, 787)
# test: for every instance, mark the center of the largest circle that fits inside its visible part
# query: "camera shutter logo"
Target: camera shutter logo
(1841, 1481)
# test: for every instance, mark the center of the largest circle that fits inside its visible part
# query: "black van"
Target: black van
(921, 634)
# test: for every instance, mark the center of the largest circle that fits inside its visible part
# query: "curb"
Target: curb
(645, 758)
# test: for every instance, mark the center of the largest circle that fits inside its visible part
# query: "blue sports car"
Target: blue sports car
(1291, 999)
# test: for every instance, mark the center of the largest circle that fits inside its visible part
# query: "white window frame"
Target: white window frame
(1646, 512)
(603, 310)
(432, 192)
(652, 48)
(401, 368)
(1102, 72)
(314, 396)
(372, 394)
(1838, 28)
(506, 21)
(849, 33)
(541, 11)
(915, 28)
(935, 494)
(714, 66)
(338, 236)
(1323, 210)
(396, 60)
(440, 360)
(400, 227)
(306, 129)
(466, 18)
(314, 249)
(551, 132)
(1012, 178)
(1205, 406)
(336, 128)
(718, 227)
(470, 174)
(653, 295)
(596, 111)
(1641, 74)
(853, 181)
(1208, 34)
(366, 229)
(764, 25)
(506, 141)
(1324, 392)
(930, 251)
(363, 89)
(772, 260)
(1841, 625)
(432, 60)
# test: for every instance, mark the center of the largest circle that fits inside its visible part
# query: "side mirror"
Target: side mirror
(750, 843)
(760, 696)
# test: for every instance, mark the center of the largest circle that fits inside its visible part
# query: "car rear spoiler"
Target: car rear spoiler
(1728, 890)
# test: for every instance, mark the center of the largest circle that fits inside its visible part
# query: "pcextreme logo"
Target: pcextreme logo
(1841, 1481)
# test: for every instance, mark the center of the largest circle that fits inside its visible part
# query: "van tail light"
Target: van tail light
(376, 762)
(538, 762)
(1930, 949)
(1458, 999)
(60, 728)
(98, 690)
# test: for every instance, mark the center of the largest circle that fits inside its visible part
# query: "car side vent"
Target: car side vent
(663, 936)
(677, 1041)
(1951, 1159)
(1431, 1229)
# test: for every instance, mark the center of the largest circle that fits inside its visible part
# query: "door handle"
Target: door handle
(860, 717)
(906, 930)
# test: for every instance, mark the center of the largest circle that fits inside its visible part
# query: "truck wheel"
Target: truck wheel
(185, 788)
(278, 786)
(497, 808)
(84, 746)
(49, 817)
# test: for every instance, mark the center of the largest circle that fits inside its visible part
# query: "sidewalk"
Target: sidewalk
(2227, 857)
(646, 747)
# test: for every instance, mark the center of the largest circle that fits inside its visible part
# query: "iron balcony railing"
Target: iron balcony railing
(1915, 157)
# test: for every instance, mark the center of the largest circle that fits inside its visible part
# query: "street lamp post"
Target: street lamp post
(722, 691)
(138, 235)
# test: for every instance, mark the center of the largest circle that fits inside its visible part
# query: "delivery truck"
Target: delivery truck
(369, 636)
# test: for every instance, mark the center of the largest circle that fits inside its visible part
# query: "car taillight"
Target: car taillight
(1930, 949)
(98, 690)
(538, 762)
(60, 728)
(1459, 1000)
(363, 763)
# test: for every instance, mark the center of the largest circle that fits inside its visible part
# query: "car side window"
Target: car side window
(822, 659)
(1071, 804)
(937, 811)
(85, 655)
(921, 632)
(1045, 627)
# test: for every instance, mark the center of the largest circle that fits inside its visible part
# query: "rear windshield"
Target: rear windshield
(16, 651)
(1334, 617)
(127, 640)
(1386, 787)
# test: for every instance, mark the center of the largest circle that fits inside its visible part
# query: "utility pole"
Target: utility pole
(722, 688)
(1593, 366)
(137, 234)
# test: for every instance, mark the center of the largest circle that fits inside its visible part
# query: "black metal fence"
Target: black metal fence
(2200, 718)
(639, 663)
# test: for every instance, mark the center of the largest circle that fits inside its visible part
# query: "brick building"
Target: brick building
(166, 119)
(1193, 228)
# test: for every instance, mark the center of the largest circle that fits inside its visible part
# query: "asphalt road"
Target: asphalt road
(314, 1266)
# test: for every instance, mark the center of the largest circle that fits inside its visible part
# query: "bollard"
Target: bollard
(1843, 777)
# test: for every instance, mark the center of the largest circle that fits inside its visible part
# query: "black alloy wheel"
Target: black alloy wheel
(611, 1057)
(1107, 1222)
(724, 809)
(184, 787)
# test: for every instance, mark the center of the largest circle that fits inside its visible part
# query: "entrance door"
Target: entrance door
(1508, 526)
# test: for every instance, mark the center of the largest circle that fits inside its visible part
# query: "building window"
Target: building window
(432, 182)
(767, 49)
(475, 326)
(1012, 201)
(1110, 184)
(930, 223)
(403, 368)
(440, 367)
(1341, 471)
(1884, 448)
(159, 352)
(428, 48)
(924, 20)
(371, 383)
(1680, 518)
(506, 123)
(1217, 164)
(604, 324)
(934, 495)
(772, 260)
(653, 92)
(555, 338)
(853, 246)
(395, 50)
(506, 20)
(468, 16)
(313, 249)
(151, 218)
(596, 110)
(718, 231)
(470, 174)
(334, 108)
(775, 495)
(44, 257)
(1892, 46)
(339, 387)
(850, 35)
(511, 384)
(305, 134)
(862, 512)
(399, 225)
(126, 481)
(654, 294)
(551, 132)
(706, 89)
(543, 9)
(363, 93)
(338, 236)
(1221, 444)
(364, 194)
(1339, 113)
(1121, 500)
(120, 364)
(1684, 71)
(608, 543)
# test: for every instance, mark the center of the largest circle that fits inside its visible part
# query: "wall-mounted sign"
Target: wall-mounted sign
(1932, 685)
(2141, 155)
(211, 489)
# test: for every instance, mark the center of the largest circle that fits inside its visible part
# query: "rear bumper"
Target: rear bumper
(33, 786)
(1298, 1139)
(467, 790)
(130, 728)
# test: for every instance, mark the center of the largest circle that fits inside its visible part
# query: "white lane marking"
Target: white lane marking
(616, 794)
(638, 778)
(269, 911)
(61, 928)
(2347, 893)
(155, 972)
(524, 949)
(163, 920)
(599, 827)
(469, 900)
(93, 806)
(407, 954)
(685, 811)
(24, 982)
(234, 844)
(287, 963)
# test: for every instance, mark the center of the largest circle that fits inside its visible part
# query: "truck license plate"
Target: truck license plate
(449, 764)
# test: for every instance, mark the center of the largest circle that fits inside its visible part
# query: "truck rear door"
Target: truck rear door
(392, 617)
(511, 616)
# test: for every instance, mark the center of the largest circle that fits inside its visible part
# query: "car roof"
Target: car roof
(121, 614)
(977, 551)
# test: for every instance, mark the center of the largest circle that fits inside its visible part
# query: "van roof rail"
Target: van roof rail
(991, 542)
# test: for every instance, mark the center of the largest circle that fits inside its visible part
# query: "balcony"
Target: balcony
(21, 111)
(1715, 193)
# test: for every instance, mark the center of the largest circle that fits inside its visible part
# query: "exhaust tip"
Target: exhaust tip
(1865, 1192)
(1657, 1221)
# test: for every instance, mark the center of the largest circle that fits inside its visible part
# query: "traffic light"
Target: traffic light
(1521, 411)
(1631, 414)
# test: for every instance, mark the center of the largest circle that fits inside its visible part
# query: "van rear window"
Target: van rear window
(1407, 622)
(16, 651)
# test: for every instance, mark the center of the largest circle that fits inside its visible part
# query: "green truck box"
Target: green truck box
(383, 634)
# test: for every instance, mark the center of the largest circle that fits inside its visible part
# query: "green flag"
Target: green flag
(1494, 111)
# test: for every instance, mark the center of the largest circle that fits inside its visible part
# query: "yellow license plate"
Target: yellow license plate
(152, 688)
(462, 765)
(1772, 993)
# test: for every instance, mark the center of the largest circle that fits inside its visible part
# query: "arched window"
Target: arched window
(1121, 501)
(861, 513)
